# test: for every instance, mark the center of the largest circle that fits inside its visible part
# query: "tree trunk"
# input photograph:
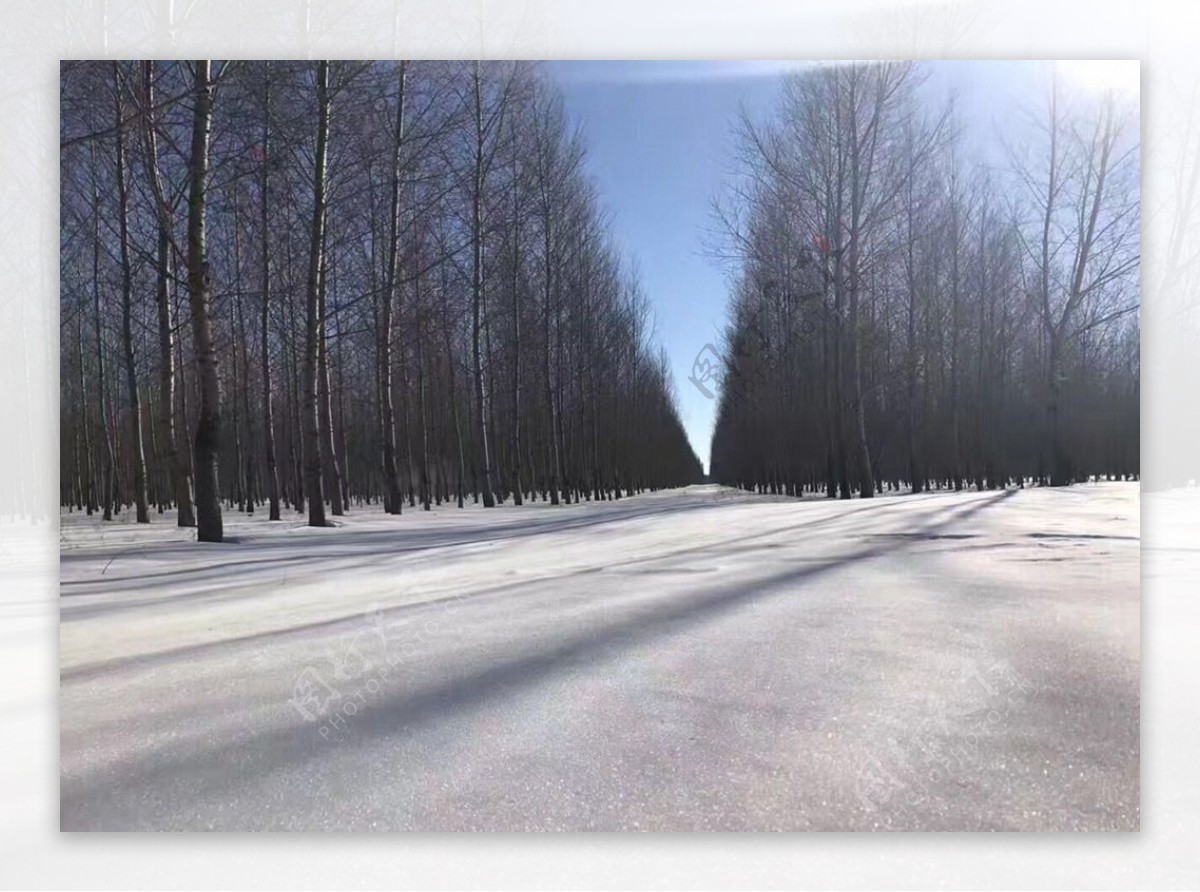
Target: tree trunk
(391, 477)
(267, 407)
(208, 428)
(555, 468)
(313, 476)
(458, 438)
(955, 435)
(422, 408)
(178, 471)
(89, 467)
(477, 308)
(325, 403)
(915, 474)
(107, 491)
(866, 488)
(1059, 471)
(131, 383)
(518, 496)
(239, 481)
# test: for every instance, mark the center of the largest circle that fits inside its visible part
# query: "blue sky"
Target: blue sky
(660, 141)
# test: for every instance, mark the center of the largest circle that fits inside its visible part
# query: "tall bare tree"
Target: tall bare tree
(207, 444)
(417, 281)
(313, 470)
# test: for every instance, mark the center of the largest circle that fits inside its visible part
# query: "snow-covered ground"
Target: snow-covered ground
(694, 659)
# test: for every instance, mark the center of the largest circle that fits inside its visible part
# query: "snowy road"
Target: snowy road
(697, 659)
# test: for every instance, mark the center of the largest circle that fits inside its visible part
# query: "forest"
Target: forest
(308, 286)
(913, 312)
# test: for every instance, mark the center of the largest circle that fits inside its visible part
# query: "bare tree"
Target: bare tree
(1085, 247)
(206, 448)
(313, 474)
(881, 298)
(268, 408)
(133, 397)
(442, 273)
(392, 499)
(177, 469)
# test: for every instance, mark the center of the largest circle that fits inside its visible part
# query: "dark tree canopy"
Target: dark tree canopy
(906, 315)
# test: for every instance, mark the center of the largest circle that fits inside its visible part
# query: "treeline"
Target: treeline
(905, 314)
(315, 285)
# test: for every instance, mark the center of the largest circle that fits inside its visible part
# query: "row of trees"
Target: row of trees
(322, 284)
(905, 314)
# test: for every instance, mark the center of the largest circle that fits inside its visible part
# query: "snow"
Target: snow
(692, 659)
